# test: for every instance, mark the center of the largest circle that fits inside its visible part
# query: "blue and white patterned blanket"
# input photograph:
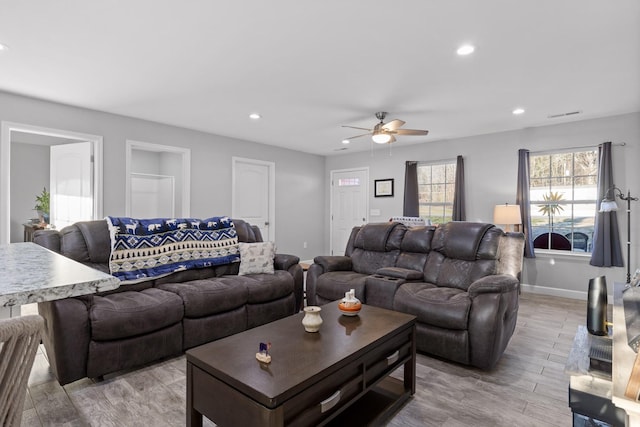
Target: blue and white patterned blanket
(149, 248)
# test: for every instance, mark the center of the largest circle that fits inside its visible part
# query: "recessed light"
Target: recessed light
(345, 141)
(3, 47)
(254, 116)
(465, 49)
(518, 111)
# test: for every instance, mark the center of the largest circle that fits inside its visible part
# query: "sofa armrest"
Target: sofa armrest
(400, 273)
(334, 263)
(49, 239)
(285, 261)
(492, 318)
(381, 290)
(66, 337)
(498, 283)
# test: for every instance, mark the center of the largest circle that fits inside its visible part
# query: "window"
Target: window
(436, 188)
(563, 194)
(348, 182)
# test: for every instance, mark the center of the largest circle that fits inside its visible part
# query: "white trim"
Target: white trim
(331, 186)
(131, 145)
(5, 168)
(556, 292)
(272, 192)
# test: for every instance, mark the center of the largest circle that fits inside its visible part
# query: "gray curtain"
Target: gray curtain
(523, 199)
(458, 196)
(411, 207)
(606, 239)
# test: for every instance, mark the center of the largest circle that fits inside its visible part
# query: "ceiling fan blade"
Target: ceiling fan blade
(411, 132)
(393, 139)
(358, 136)
(393, 124)
(354, 127)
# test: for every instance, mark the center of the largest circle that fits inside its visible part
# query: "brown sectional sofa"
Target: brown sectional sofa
(461, 281)
(94, 335)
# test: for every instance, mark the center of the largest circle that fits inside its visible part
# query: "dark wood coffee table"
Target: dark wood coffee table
(339, 375)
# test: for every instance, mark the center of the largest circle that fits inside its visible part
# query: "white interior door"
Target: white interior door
(349, 205)
(152, 196)
(253, 194)
(71, 171)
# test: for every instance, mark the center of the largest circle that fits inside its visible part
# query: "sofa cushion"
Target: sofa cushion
(256, 258)
(379, 237)
(368, 262)
(268, 287)
(127, 314)
(418, 239)
(460, 240)
(209, 296)
(443, 307)
(456, 273)
(332, 285)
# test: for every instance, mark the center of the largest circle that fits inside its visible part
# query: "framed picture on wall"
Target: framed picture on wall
(383, 187)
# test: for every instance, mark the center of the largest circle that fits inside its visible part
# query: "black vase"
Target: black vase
(597, 306)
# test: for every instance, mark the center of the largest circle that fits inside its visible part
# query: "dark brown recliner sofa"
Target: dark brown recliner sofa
(461, 281)
(94, 335)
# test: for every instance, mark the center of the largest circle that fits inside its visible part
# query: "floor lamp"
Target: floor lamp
(610, 205)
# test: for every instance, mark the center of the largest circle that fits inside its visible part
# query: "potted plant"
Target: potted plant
(42, 206)
(551, 206)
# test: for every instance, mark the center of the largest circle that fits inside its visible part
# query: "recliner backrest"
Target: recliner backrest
(376, 245)
(463, 252)
(247, 233)
(415, 247)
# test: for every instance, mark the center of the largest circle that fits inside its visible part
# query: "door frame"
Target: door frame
(332, 187)
(131, 145)
(5, 167)
(272, 192)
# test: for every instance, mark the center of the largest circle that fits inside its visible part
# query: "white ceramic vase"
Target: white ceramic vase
(312, 320)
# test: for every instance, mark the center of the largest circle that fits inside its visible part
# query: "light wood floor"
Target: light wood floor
(528, 387)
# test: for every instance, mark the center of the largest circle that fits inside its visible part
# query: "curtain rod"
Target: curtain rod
(613, 144)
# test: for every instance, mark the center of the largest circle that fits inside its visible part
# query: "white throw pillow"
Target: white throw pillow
(256, 257)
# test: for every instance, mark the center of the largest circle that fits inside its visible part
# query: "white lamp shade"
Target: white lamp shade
(507, 214)
(608, 205)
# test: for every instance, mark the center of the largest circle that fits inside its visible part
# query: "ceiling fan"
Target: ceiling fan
(384, 133)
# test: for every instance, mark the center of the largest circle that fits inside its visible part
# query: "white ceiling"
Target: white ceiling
(309, 67)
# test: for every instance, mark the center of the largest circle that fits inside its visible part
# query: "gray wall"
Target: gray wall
(299, 176)
(490, 178)
(490, 168)
(27, 182)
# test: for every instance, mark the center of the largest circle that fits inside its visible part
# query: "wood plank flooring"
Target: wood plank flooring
(527, 388)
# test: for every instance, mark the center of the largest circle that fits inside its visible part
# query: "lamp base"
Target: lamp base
(597, 306)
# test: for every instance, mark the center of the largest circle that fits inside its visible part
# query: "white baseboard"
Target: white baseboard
(556, 292)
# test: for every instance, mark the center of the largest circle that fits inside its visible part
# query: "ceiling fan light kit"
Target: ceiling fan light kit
(384, 133)
(381, 138)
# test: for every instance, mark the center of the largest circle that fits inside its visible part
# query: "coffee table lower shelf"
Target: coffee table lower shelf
(376, 407)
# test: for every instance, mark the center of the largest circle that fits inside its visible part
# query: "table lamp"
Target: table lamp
(507, 215)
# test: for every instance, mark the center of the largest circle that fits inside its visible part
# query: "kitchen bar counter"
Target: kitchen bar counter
(30, 273)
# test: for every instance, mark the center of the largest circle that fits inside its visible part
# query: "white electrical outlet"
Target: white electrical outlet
(374, 212)
(304, 245)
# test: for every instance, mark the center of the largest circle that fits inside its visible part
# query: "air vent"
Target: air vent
(570, 113)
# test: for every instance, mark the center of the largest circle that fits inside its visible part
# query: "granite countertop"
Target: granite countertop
(30, 273)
